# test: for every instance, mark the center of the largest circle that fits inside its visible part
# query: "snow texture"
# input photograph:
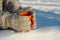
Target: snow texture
(39, 34)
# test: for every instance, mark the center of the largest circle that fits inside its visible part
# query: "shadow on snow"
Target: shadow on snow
(48, 18)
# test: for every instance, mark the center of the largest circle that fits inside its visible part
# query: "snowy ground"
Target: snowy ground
(48, 24)
(39, 34)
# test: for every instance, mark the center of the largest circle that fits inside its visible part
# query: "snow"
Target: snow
(38, 34)
(48, 24)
